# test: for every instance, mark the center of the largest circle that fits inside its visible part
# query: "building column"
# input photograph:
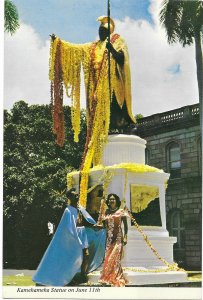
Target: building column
(162, 203)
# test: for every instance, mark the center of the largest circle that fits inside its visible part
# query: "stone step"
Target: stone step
(146, 278)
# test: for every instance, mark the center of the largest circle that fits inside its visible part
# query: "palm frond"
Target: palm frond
(170, 18)
(181, 19)
(11, 19)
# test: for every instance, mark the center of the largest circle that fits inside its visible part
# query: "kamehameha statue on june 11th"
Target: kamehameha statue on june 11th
(106, 68)
(94, 60)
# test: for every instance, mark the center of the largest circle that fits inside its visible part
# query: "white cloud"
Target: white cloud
(26, 68)
(154, 88)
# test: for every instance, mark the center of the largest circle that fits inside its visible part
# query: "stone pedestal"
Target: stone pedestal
(146, 277)
(123, 148)
(131, 149)
(138, 254)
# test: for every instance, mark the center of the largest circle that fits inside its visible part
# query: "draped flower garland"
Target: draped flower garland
(56, 77)
(149, 193)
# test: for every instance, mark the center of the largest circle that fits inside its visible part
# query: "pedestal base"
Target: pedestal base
(140, 265)
(146, 278)
(138, 278)
(138, 253)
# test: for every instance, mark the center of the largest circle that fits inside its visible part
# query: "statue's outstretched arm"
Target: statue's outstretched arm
(78, 46)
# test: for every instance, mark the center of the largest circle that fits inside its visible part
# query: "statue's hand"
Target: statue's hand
(109, 46)
(53, 37)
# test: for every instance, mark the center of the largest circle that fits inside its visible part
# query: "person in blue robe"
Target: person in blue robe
(76, 247)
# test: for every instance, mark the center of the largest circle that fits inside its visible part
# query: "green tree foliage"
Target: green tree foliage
(11, 19)
(35, 170)
(183, 22)
(139, 116)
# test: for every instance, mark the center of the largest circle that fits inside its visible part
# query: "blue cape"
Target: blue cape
(63, 257)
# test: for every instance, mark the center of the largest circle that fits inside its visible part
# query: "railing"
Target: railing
(184, 113)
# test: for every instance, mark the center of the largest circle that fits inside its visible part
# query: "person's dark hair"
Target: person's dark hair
(118, 201)
(70, 194)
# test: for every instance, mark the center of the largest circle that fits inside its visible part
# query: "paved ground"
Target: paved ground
(9, 272)
(12, 272)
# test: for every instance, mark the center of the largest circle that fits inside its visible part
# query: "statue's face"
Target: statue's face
(103, 33)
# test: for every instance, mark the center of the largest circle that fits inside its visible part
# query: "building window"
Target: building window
(147, 156)
(174, 163)
(177, 228)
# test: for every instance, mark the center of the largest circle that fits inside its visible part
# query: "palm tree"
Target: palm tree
(183, 22)
(11, 22)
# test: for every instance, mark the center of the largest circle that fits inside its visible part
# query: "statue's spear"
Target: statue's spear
(108, 39)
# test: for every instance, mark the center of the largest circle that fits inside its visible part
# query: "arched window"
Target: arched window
(147, 156)
(173, 159)
(177, 228)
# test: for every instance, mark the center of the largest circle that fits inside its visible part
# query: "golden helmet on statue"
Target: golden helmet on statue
(104, 23)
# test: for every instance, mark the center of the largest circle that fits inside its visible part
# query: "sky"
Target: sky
(163, 76)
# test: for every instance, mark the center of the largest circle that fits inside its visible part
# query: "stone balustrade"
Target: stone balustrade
(185, 113)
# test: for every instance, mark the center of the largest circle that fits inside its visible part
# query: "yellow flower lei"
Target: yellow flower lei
(108, 172)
